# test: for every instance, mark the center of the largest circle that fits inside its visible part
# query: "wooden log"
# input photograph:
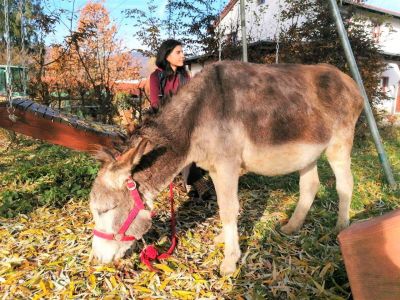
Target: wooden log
(43, 123)
(371, 253)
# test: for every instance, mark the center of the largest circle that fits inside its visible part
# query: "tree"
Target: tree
(149, 28)
(196, 19)
(32, 14)
(36, 25)
(99, 56)
(312, 38)
(190, 21)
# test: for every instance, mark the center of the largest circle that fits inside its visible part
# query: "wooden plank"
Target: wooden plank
(27, 105)
(60, 133)
(41, 110)
(19, 101)
(371, 253)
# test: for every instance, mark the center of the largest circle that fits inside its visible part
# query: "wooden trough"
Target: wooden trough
(371, 253)
(44, 123)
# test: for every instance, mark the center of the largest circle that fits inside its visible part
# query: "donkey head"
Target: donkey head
(111, 202)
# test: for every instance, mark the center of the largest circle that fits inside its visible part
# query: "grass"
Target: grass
(45, 233)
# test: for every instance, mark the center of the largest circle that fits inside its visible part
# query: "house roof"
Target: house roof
(372, 8)
(130, 86)
(226, 9)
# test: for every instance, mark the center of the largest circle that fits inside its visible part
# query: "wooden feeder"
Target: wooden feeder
(44, 123)
(371, 253)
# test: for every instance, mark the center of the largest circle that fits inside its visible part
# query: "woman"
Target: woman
(170, 74)
(166, 80)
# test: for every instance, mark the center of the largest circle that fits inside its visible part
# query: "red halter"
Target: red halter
(139, 205)
(150, 253)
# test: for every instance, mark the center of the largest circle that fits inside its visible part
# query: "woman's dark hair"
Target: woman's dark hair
(161, 60)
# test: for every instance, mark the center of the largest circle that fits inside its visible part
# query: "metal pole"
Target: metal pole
(243, 28)
(357, 77)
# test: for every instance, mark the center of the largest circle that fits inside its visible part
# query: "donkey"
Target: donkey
(230, 119)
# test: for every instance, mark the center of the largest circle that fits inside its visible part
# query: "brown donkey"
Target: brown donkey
(232, 118)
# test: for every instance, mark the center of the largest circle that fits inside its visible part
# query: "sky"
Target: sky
(126, 30)
(114, 7)
(388, 4)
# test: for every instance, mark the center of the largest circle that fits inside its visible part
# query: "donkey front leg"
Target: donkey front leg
(226, 185)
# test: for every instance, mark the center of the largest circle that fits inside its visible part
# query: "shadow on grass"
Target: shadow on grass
(43, 175)
(193, 211)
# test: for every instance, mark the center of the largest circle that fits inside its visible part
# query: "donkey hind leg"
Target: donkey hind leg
(339, 159)
(309, 184)
(226, 185)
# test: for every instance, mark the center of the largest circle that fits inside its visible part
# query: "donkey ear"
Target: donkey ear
(132, 157)
(119, 170)
(102, 154)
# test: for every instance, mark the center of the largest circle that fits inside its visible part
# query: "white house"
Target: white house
(262, 25)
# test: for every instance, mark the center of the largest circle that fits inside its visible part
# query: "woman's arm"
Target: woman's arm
(154, 90)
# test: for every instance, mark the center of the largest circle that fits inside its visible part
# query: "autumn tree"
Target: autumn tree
(97, 54)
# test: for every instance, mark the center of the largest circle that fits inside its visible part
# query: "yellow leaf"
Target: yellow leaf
(164, 284)
(206, 294)
(113, 281)
(54, 263)
(92, 280)
(142, 289)
(71, 289)
(42, 285)
(183, 294)
(24, 290)
(51, 285)
(325, 269)
(37, 296)
(31, 232)
(164, 267)
(236, 273)
(104, 268)
(211, 256)
(199, 279)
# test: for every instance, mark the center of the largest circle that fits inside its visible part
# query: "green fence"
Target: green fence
(18, 80)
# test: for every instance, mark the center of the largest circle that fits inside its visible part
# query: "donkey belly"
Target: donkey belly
(280, 159)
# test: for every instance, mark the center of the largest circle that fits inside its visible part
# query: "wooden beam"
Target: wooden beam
(36, 121)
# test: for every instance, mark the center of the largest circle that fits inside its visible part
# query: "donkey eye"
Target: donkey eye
(100, 212)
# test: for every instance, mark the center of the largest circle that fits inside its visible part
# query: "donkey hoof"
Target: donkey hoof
(342, 224)
(227, 268)
(289, 229)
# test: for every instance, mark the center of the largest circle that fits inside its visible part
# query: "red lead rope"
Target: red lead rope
(150, 253)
